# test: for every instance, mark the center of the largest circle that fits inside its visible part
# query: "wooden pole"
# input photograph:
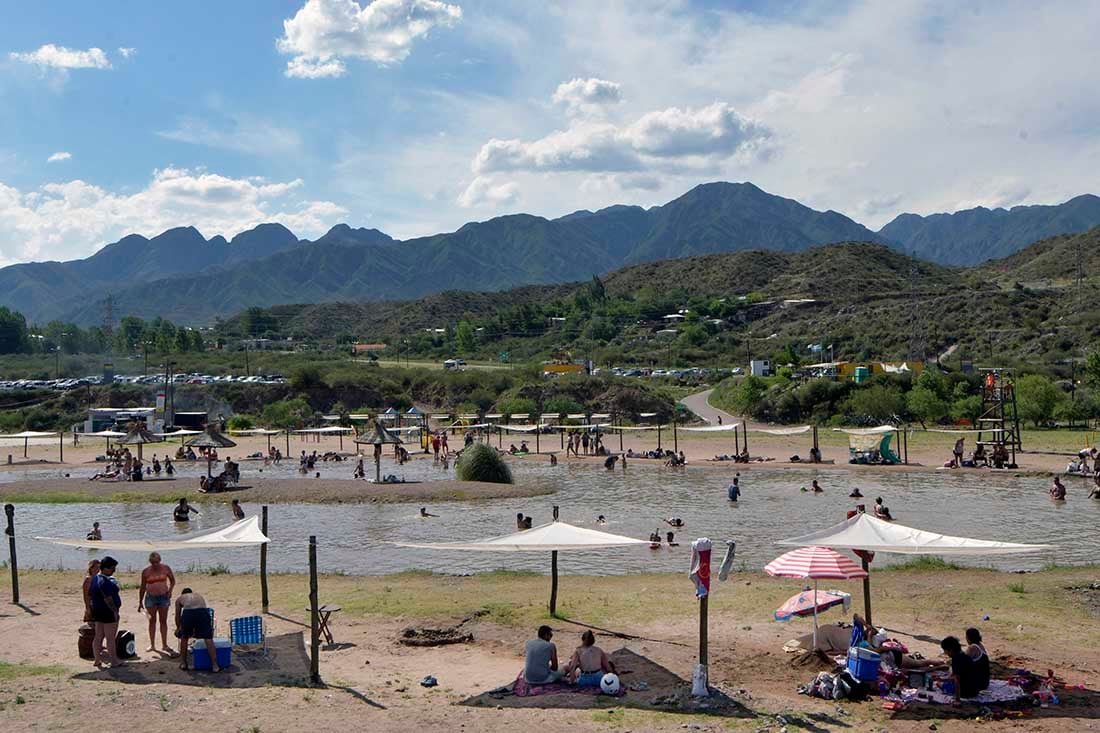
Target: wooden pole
(620, 435)
(817, 449)
(314, 616)
(554, 575)
(537, 431)
(9, 510)
(745, 430)
(675, 436)
(263, 560)
(703, 630)
(658, 436)
(867, 591)
(61, 447)
(287, 443)
(736, 442)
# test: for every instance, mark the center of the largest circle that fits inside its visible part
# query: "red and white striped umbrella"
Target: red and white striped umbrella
(815, 562)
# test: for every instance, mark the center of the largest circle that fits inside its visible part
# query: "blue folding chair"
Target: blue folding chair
(248, 630)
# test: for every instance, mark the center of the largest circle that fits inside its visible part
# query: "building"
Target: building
(760, 367)
(360, 349)
(116, 418)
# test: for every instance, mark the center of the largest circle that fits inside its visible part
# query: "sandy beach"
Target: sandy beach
(1036, 621)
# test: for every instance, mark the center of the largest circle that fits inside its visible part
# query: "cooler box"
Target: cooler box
(200, 659)
(863, 664)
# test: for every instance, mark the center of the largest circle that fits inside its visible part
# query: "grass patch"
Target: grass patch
(1017, 587)
(9, 671)
(925, 563)
(83, 497)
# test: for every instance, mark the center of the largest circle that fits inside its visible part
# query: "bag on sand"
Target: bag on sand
(84, 641)
(125, 646)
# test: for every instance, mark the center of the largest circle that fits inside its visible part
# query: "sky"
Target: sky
(417, 116)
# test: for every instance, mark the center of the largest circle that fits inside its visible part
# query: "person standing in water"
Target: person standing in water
(733, 491)
(182, 512)
(816, 488)
(238, 512)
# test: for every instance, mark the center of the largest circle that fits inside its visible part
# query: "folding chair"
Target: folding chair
(248, 630)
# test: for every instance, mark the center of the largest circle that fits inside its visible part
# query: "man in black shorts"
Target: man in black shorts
(193, 622)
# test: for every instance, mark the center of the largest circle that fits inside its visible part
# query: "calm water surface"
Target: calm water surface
(355, 539)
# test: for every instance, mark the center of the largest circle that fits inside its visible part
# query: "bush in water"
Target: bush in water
(480, 462)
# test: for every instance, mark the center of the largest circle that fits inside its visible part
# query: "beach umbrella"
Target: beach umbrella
(139, 436)
(816, 563)
(378, 435)
(553, 537)
(805, 604)
(108, 434)
(26, 435)
(864, 533)
(210, 438)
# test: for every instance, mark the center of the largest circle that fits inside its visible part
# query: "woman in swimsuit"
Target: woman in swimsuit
(976, 651)
(155, 596)
(93, 570)
(182, 512)
(588, 664)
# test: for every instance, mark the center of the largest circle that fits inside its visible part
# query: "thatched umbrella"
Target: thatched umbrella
(138, 436)
(378, 436)
(210, 438)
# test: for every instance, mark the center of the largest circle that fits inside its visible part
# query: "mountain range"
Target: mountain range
(182, 276)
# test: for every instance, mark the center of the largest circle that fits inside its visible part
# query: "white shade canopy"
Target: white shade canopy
(245, 533)
(178, 433)
(544, 538)
(104, 434)
(26, 434)
(326, 430)
(880, 430)
(256, 431)
(865, 532)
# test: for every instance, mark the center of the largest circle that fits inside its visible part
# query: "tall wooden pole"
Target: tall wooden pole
(620, 435)
(554, 575)
(9, 509)
(675, 437)
(263, 560)
(538, 430)
(61, 447)
(658, 436)
(867, 591)
(817, 450)
(314, 616)
(745, 430)
(736, 442)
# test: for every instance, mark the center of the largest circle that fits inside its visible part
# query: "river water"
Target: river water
(355, 538)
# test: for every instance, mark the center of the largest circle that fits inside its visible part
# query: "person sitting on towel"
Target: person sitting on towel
(964, 671)
(588, 664)
(540, 665)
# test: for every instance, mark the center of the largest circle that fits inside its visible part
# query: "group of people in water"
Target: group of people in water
(124, 466)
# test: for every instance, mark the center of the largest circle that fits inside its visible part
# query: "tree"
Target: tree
(1037, 398)
(481, 462)
(967, 408)
(1092, 369)
(286, 414)
(465, 340)
(926, 405)
(876, 403)
(13, 332)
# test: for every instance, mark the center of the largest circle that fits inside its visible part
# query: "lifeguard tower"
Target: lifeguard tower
(999, 424)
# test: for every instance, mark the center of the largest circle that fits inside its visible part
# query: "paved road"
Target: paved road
(700, 405)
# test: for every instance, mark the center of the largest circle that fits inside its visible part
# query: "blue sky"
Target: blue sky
(415, 116)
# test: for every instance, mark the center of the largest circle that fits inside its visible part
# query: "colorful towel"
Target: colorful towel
(999, 691)
(522, 688)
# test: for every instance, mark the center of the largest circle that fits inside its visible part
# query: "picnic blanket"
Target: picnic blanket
(999, 691)
(522, 688)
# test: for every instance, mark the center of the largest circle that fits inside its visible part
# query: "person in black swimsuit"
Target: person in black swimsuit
(182, 511)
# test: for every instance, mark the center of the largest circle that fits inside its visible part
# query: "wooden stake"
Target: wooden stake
(675, 437)
(745, 430)
(314, 616)
(867, 591)
(703, 602)
(263, 560)
(9, 509)
(61, 447)
(554, 583)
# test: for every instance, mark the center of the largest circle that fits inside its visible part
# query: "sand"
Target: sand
(372, 680)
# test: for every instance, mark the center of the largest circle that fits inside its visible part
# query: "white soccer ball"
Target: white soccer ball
(610, 684)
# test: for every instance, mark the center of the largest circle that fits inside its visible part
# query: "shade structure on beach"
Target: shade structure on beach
(178, 433)
(139, 436)
(245, 533)
(378, 435)
(108, 434)
(553, 537)
(816, 563)
(866, 533)
(210, 438)
(26, 436)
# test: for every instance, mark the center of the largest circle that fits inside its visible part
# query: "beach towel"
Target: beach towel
(523, 688)
(999, 691)
(727, 563)
(700, 566)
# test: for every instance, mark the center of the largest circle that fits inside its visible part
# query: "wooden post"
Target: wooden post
(817, 449)
(61, 447)
(287, 444)
(620, 435)
(263, 560)
(537, 431)
(745, 430)
(703, 630)
(867, 591)
(561, 432)
(675, 437)
(9, 509)
(736, 442)
(554, 575)
(314, 616)
(658, 435)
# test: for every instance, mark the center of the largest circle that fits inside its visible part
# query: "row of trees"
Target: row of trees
(133, 335)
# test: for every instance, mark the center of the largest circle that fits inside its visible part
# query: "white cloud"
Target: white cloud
(482, 191)
(586, 95)
(127, 52)
(59, 157)
(324, 32)
(671, 138)
(59, 57)
(74, 218)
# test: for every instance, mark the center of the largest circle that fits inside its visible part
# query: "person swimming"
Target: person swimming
(601, 519)
(655, 539)
(674, 522)
(882, 511)
(816, 488)
(424, 512)
(856, 494)
(670, 537)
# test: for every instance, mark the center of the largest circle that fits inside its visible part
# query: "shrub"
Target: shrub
(240, 422)
(480, 462)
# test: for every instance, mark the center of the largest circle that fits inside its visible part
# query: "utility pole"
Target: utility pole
(247, 371)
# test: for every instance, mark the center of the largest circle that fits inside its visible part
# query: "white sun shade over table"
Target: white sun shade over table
(712, 429)
(245, 533)
(28, 434)
(880, 430)
(865, 532)
(178, 433)
(104, 434)
(552, 537)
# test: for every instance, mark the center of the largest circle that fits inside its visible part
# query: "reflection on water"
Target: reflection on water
(354, 538)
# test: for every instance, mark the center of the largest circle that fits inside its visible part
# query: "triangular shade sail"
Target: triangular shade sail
(865, 532)
(544, 538)
(245, 533)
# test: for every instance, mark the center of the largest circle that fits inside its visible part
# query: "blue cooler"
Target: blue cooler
(862, 663)
(200, 659)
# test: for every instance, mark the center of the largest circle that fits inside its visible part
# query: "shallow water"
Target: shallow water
(355, 538)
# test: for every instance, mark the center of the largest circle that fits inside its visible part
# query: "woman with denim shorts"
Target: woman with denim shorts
(155, 597)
